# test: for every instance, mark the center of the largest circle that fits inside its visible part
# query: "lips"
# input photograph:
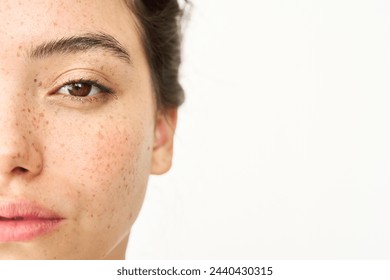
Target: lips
(18, 218)
(24, 221)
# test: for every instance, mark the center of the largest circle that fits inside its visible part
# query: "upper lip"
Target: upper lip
(26, 210)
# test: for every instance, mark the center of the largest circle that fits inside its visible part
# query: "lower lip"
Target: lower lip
(25, 230)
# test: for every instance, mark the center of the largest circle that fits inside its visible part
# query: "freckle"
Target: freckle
(47, 122)
(109, 226)
(29, 110)
(29, 132)
(35, 80)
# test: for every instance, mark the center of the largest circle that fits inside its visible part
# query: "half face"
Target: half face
(79, 130)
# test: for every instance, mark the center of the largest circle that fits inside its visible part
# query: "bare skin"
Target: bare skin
(79, 129)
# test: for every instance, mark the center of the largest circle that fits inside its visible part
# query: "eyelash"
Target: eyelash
(104, 91)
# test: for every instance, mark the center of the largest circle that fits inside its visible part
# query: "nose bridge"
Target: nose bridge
(18, 148)
(11, 122)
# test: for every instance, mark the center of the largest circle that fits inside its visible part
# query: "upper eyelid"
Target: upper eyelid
(81, 74)
(90, 82)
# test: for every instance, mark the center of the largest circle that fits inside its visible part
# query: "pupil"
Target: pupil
(79, 89)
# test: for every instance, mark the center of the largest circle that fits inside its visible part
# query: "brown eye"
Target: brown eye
(81, 89)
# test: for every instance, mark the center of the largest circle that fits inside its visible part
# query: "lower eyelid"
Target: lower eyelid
(100, 97)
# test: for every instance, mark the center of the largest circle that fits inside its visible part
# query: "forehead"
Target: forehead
(25, 23)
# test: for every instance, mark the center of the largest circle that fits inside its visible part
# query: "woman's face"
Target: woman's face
(79, 130)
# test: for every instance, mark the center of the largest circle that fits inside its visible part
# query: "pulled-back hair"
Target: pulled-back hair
(160, 27)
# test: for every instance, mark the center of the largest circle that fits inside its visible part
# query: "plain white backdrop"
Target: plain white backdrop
(282, 147)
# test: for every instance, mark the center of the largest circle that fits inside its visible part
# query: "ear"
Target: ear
(163, 141)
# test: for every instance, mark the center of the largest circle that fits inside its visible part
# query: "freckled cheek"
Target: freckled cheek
(111, 154)
(116, 177)
(103, 167)
(106, 168)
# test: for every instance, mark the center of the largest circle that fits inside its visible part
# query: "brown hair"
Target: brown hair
(160, 27)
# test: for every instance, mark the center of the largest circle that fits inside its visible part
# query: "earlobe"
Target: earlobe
(163, 141)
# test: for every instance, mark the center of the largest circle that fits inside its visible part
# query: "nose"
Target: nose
(19, 149)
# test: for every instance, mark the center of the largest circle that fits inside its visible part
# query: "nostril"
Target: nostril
(19, 170)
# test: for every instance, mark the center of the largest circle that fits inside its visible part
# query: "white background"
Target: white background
(282, 148)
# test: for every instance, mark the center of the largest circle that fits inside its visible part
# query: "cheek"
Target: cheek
(106, 167)
(115, 171)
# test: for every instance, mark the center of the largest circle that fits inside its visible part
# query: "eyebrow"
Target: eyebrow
(81, 43)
